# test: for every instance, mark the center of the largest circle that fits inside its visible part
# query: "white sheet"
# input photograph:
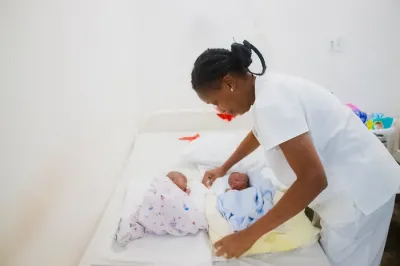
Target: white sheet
(154, 153)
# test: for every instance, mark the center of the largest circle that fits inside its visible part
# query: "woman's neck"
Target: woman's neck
(252, 94)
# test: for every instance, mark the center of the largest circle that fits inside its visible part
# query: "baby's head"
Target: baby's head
(238, 181)
(178, 179)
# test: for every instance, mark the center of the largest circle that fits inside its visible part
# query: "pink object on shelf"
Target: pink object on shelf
(353, 107)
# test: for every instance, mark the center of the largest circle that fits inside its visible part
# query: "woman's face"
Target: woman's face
(231, 97)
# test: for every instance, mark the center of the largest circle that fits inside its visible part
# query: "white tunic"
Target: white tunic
(360, 171)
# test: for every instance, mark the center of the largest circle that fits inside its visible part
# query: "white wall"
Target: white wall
(76, 78)
(293, 35)
(68, 112)
(173, 33)
(365, 72)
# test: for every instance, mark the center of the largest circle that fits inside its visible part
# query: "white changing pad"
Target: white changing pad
(154, 153)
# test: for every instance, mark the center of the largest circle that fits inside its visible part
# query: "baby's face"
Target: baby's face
(179, 179)
(238, 181)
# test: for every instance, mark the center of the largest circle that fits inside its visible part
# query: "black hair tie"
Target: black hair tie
(264, 66)
(242, 55)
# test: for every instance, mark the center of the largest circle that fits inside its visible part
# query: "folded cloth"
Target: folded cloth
(244, 207)
(165, 209)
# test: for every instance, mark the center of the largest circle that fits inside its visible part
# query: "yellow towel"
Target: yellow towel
(295, 233)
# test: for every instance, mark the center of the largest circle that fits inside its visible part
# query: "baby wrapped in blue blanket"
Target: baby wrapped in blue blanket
(246, 200)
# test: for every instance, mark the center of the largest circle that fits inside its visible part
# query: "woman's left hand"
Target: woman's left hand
(235, 245)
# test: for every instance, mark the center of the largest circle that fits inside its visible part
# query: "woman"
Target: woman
(315, 145)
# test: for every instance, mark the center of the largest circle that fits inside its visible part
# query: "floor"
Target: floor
(391, 256)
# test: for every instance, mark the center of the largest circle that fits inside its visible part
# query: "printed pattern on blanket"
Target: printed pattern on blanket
(165, 209)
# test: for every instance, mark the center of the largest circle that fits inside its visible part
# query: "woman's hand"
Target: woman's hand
(235, 245)
(211, 175)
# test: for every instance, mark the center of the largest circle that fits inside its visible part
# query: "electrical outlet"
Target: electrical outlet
(335, 45)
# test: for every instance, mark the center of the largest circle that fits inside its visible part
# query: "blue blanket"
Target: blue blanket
(242, 208)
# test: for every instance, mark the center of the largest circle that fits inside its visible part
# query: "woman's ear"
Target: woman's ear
(229, 83)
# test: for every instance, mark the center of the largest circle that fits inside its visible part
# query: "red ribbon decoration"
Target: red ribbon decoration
(190, 138)
(225, 116)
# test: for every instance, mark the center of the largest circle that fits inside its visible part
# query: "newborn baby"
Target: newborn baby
(238, 181)
(166, 208)
(242, 204)
(180, 180)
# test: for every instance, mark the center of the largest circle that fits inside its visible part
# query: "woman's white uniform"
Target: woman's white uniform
(363, 178)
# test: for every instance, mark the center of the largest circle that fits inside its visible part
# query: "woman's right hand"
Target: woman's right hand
(211, 175)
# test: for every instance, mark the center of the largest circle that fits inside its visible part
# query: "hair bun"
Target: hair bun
(241, 54)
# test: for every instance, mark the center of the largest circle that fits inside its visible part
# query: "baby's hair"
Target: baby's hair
(214, 64)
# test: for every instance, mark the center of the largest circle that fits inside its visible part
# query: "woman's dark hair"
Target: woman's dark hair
(214, 64)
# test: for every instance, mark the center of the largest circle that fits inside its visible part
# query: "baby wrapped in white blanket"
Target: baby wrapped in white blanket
(166, 209)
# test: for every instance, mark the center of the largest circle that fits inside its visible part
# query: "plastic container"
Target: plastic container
(397, 142)
(387, 136)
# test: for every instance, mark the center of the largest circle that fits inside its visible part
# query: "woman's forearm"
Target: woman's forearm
(295, 200)
(247, 146)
